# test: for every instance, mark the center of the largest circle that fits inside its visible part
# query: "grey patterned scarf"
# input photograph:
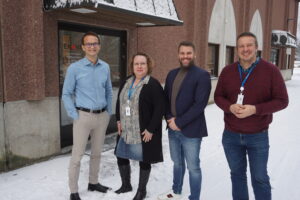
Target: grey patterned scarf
(130, 124)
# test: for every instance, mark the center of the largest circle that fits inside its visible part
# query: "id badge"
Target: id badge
(127, 111)
(240, 99)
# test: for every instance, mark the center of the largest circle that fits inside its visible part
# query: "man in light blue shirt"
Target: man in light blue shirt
(87, 97)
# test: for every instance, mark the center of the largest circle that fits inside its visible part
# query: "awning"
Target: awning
(134, 12)
(283, 39)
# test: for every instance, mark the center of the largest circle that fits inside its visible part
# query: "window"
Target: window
(288, 58)
(288, 62)
(212, 59)
(70, 51)
(229, 55)
(274, 58)
(258, 54)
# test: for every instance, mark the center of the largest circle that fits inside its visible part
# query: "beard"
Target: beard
(191, 63)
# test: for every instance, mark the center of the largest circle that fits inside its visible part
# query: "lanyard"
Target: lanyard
(132, 89)
(247, 76)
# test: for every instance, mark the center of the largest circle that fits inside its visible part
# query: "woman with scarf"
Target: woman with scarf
(139, 112)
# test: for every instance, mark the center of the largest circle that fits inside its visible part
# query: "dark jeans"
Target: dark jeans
(236, 147)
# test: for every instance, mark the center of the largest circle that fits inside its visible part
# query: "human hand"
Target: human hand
(172, 124)
(247, 111)
(147, 136)
(236, 108)
(119, 127)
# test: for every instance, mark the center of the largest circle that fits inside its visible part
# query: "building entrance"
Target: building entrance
(113, 51)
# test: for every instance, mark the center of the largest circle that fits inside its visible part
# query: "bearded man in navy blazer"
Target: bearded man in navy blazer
(187, 90)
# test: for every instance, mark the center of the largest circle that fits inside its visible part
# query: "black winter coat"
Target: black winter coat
(151, 111)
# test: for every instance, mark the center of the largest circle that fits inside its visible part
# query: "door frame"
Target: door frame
(66, 136)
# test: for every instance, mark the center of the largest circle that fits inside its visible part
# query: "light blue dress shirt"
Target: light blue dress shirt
(87, 85)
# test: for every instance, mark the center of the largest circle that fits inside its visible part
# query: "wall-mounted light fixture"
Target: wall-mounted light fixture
(83, 10)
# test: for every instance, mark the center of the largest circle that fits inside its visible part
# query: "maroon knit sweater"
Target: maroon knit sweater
(265, 88)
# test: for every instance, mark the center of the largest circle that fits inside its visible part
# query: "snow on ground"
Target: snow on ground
(48, 180)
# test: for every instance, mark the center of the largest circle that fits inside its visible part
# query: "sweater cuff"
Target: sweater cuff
(258, 110)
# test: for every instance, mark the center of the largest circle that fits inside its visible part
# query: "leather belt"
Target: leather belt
(90, 111)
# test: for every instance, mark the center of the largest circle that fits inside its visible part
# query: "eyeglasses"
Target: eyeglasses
(140, 64)
(89, 45)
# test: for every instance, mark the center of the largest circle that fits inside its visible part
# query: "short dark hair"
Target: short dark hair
(247, 34)
(148, 58)
(187, 44)
(90, 33)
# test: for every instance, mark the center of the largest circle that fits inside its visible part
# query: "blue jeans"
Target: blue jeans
(184, 149)
(236, 147)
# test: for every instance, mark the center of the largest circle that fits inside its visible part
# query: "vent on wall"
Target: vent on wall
(283, 39)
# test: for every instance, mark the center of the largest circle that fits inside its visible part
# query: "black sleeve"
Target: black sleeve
(158, 101)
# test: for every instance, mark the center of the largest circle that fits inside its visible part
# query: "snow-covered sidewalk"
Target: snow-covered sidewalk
(48, 180)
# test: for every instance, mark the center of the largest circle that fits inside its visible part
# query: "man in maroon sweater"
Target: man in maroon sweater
(249, 92)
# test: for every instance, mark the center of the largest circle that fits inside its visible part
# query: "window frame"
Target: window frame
(215, 71)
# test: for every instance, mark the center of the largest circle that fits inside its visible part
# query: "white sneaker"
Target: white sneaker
(169, 196)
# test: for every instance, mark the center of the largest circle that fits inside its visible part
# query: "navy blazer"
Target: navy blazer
(191, 101)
